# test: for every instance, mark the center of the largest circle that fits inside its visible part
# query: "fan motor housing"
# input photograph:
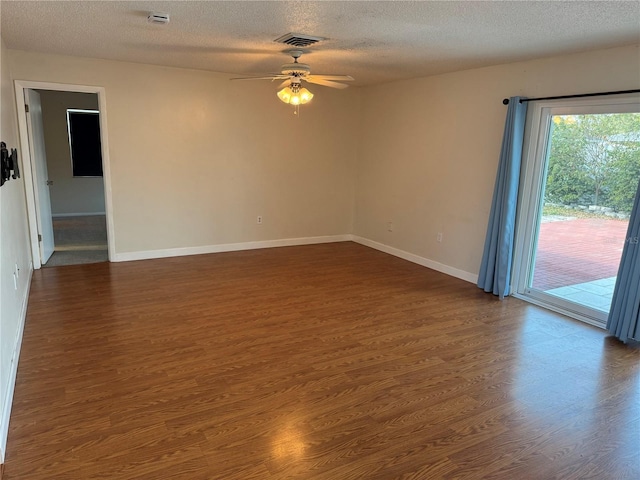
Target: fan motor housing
(296, 68)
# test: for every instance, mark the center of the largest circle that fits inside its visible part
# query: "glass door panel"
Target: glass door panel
(580, 195)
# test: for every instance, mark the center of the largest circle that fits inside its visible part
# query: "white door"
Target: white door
(40, 175)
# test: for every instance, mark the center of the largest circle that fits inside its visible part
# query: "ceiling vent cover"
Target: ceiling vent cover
(298, 39)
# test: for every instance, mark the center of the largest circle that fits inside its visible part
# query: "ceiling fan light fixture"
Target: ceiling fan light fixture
(295, 95)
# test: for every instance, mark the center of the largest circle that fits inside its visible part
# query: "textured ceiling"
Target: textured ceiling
(375, 42)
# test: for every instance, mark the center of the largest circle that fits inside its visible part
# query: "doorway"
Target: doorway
(582, 172)
(69, 204)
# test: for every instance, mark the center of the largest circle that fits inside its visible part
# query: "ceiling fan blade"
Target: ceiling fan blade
(272, 77)
(284, 84)
(340, 78)
(325, 83)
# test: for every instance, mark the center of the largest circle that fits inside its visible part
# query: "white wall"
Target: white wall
(196, 158)
(429, 149)
(69, 194)
(14, 250)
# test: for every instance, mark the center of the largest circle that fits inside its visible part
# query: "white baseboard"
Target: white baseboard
(226, 247)
(8, 400)
(86, 214)
(425, 262)
(288, 242)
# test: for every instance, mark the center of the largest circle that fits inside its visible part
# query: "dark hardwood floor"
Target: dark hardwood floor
(329, 361)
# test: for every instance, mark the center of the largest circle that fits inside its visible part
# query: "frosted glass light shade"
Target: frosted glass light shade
(285, 95)
(297, 96)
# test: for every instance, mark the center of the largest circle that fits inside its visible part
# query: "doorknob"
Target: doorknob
(49, 182)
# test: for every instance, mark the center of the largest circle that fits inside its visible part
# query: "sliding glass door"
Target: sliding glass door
(580, 177)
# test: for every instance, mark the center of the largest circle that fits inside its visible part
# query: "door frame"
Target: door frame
(532, 178)
(28, 166)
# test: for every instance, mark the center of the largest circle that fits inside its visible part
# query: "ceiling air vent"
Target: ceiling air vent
(298, 39)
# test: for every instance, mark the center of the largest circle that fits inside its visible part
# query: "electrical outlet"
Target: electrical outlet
(259, 220)
(390, 227)
(439, 237)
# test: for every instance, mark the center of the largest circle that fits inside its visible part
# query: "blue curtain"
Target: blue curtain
(495, 269)
(624, 315)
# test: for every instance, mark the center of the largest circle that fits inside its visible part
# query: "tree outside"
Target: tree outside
(594, 160)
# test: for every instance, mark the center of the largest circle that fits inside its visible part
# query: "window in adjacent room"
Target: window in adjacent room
(83, 127)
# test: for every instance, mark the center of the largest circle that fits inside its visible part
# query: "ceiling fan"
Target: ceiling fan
(293, 74)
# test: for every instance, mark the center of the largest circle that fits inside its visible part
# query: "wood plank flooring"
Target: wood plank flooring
(329, 361)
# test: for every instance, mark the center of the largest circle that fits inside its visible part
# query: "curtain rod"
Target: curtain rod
(579, 95)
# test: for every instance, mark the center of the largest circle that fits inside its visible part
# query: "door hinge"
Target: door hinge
(26, 108)
(39, 237)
